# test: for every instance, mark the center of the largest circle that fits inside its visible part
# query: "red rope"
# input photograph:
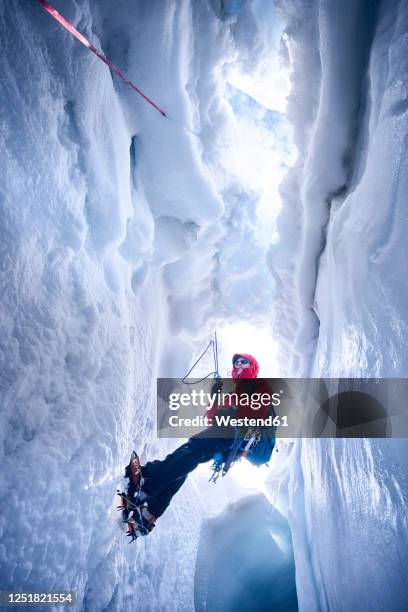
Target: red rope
(74, 32)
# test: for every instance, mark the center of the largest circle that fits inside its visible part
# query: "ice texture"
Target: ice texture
(341, 297)
(118, 227)
(245, 560)
(127, 237)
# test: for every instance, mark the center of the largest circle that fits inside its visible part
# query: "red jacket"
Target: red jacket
(244, 386)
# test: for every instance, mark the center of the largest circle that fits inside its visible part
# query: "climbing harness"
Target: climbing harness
(74, 32)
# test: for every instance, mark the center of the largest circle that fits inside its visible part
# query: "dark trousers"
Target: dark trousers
(164, 478)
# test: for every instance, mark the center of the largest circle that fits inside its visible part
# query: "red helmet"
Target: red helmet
(251, 372)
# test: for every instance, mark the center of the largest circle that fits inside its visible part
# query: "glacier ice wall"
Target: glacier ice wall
(117, 256)
(341, 304)
(234, 571)
(343, 221)
(115, 239)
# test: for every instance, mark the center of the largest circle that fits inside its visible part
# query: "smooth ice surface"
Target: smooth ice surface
(245, 560)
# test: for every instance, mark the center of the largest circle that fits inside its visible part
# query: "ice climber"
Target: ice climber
(153, 485)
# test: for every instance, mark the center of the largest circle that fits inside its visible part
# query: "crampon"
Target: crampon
(135, 512)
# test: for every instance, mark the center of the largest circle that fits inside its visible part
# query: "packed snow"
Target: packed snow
(128, 237)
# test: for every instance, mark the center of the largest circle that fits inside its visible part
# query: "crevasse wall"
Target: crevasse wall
(114, 259)
(343, 219)
(111, 247)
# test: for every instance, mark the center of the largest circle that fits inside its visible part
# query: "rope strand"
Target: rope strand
(215, 352)
(84, 41)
